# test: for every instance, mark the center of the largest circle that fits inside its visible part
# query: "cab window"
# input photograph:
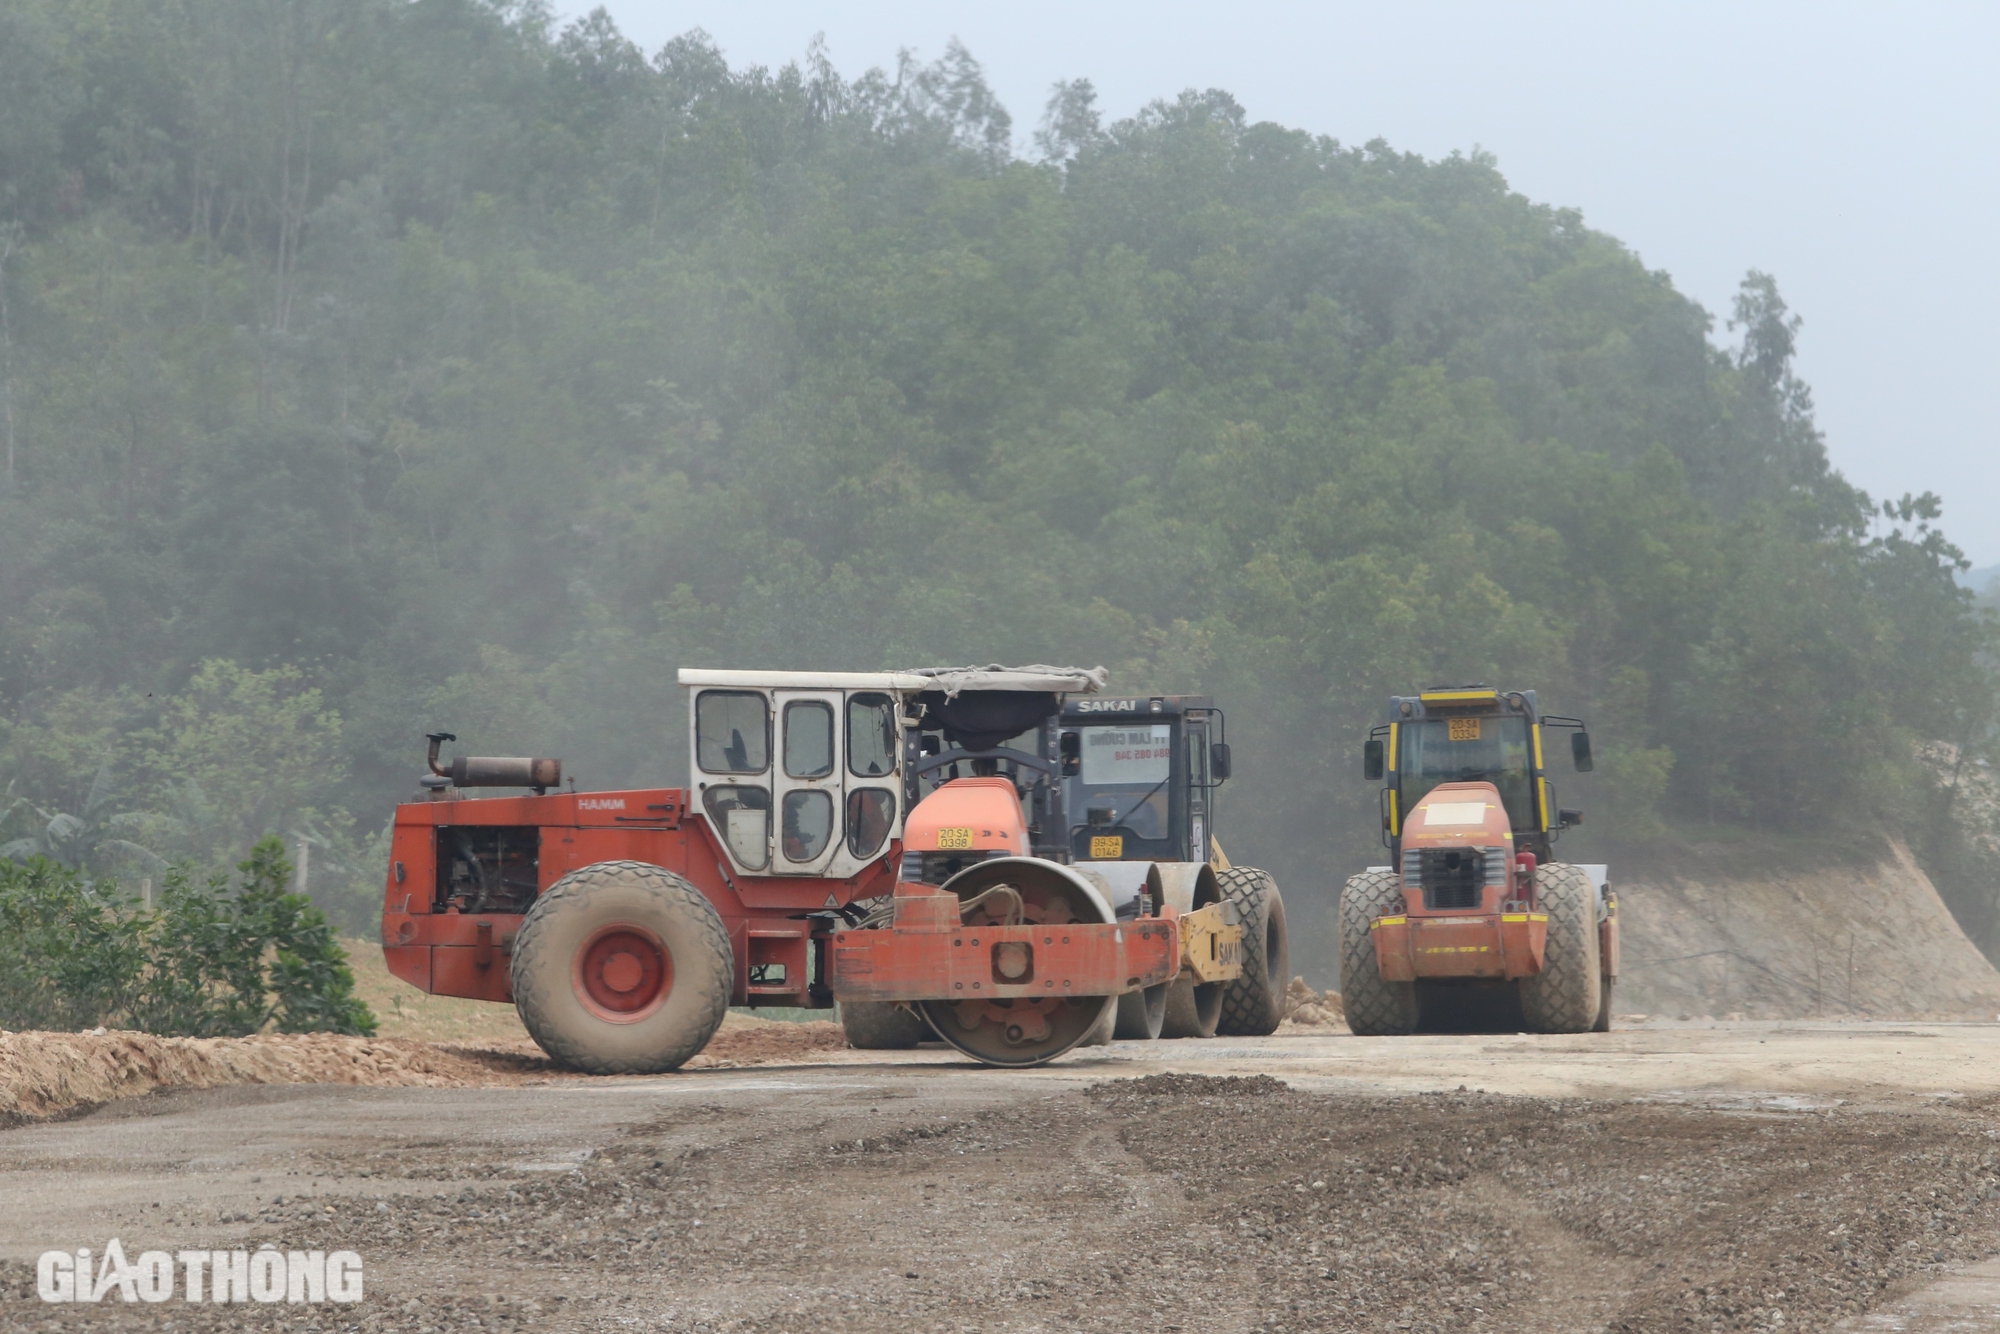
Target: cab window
(1475, 749)
(1120, 804)
(871, 811)
(871, 735)
(808, 739)
(808, 824)
(1197, 757)
(743, 814)
(732, 732)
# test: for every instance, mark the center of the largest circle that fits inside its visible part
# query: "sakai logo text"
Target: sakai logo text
(265, 1275)
(1107, 706)
(600, 803)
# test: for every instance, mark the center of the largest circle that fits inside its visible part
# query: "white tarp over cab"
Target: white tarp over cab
(1050, 680)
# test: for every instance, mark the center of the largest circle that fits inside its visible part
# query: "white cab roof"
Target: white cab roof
(951, 680)
(702, 676)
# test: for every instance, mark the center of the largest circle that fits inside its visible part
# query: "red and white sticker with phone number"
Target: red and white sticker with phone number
(1127, 754)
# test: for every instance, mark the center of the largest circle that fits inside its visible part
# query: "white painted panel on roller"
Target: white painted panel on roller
(1455, 812)
(1127, 754)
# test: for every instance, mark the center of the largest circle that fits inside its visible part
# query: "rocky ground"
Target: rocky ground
(1104, 1194)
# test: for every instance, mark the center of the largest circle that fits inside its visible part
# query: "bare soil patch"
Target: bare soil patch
(423, 1040)
(54, 1074)
(51, 1074)
(960, 1199)
(747, 1040)
(402, 1011)
(1768, 929)
(1308, 1010)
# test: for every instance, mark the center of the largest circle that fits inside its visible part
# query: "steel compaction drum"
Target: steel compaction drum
(1009, 891)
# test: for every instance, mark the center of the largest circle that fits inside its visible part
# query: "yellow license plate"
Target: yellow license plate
(1464, 729)
(1107, 846)
(955, 836)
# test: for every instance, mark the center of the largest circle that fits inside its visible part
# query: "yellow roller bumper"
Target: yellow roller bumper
(1212, 943)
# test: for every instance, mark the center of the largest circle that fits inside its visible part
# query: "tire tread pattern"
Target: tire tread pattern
(1564, 996)
(1253, 1005)
(1374, 1008)
(575, 890)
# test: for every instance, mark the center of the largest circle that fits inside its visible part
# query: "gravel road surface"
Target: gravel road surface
(1671, 1177)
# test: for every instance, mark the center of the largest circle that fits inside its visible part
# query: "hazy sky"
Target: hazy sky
(1849, 150)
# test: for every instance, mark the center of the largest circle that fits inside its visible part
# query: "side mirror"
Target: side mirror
(1569, 819)
(1218, 762)
(1072, 754)
(1371, 761)
(1579, 750)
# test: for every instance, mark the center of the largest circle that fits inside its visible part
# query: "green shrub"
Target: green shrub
(212, 960)
(68, 958)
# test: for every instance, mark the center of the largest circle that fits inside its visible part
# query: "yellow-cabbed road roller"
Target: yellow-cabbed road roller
(1474, 922)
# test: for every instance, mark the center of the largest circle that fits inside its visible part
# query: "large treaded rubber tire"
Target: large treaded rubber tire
(1375, 1008)
(881, 1026)
(1564, 996)
(1254, 1004)
(565, 920)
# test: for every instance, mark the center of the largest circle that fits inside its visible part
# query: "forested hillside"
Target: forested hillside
(380, 366)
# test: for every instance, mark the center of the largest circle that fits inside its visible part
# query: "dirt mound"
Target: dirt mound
(748, 1040)
(1312, 1009)
(46, 1074)
(1771, 931)
(51, 1074)
(1177, 1085)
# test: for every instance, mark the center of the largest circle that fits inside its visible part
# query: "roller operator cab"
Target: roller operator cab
(1140, 776)
(1100, 780)
(1474, 915)
(798, 779)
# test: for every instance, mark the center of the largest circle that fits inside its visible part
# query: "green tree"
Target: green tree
(248, 754)
(88, 840)
(378, 368)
